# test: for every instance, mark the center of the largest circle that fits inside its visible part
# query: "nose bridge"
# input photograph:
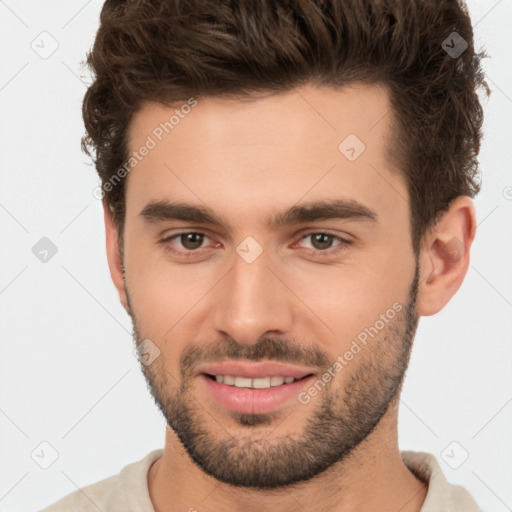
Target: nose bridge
(251, 301)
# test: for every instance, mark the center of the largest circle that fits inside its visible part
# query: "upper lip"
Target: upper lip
(252, 370)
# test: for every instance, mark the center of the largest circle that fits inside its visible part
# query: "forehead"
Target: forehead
(318, 114)
(307, 143)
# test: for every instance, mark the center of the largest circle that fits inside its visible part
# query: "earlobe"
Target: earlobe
(114, 255)
(444, 259)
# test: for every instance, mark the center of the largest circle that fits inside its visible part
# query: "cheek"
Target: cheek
(332, 302)
(348, 298)
(162, 293)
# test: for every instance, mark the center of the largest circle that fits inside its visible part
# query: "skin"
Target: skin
(247, 160)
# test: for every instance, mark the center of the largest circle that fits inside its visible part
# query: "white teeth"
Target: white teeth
(229, 380)
(276, 381)
(243, 382)
(257, 383)
(261, 383)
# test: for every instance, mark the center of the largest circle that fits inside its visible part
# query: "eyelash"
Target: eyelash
(342, 246)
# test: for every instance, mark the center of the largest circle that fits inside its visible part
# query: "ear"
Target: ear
(114, 255)
(444, 258)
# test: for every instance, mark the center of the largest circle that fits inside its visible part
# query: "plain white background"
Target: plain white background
(68, 373)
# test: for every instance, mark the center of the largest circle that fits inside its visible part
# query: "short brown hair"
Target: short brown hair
(171, 50)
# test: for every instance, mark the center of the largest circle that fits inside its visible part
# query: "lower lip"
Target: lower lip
(254, 401)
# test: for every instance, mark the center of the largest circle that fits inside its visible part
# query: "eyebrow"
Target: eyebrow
(161, 211)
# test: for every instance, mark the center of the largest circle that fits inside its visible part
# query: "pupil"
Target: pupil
(192, 240)
(318, 238)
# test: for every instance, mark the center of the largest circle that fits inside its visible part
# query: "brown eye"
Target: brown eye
(191, 241)
(185, 244)
(325, 244)
(321, 241)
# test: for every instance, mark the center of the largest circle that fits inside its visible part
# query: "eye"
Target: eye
(322, 242)
(190, 242)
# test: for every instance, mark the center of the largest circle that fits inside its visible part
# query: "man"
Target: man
(287, 189)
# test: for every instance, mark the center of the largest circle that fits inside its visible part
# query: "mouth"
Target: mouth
(254, 388)
(254, 383)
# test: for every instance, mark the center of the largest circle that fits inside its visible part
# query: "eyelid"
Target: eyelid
(166, 239)
(342, 236)
(344, 242)
(331, 251)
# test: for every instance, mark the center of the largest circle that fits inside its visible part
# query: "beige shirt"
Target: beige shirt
(128, 491)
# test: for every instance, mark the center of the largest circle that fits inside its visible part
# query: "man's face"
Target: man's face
(250, 291)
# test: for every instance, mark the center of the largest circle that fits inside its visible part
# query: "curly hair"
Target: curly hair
(170, 50)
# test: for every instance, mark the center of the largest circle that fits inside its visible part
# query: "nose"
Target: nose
(251, 302)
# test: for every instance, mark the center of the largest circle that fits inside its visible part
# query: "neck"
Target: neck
(372, 478)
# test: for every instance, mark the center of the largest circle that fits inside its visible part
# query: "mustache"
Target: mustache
(274, 349)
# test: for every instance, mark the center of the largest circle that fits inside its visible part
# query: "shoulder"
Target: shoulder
(117, 493)
(441, 494)
(105, 495)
